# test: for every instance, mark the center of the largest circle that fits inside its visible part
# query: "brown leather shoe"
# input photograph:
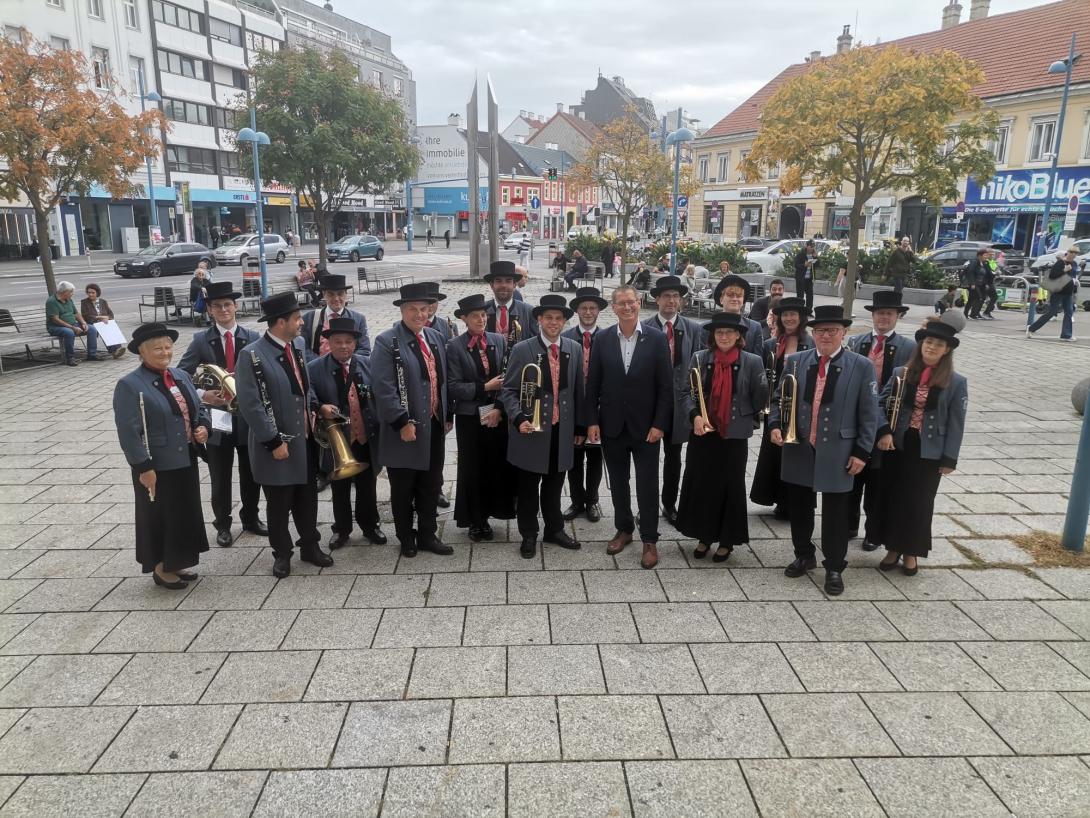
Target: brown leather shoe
(619, 541)
(650, 555)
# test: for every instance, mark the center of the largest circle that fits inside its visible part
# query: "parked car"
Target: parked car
(950, 259)
(244, 246)
(353, 248)
(1014, 260)
(752, 243)
(1082, 257)
(769, 260)
(513, 240)
(171, 258)
(582, 230)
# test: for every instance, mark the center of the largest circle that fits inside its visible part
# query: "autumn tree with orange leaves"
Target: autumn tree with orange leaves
(59, 134)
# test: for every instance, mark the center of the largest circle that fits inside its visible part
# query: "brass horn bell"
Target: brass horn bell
(330, 434)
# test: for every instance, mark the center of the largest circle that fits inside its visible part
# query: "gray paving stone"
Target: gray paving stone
(762, 622)
(57, 632)
(465, 791)
(365, 559)
(12, 561)
(61, 681)
(60, 564)
(686, 585)
(169, 738)
(1034, 723)
(74, 796)
(139, 594)
(933, 666)
(1027, 666)
(60, 739)
(8, 785)
(934, 724)
(553, 670)
(10, 666)
(826, 724)
(623, 586)
(360, 675)
(1074, 614)
(12, 535)
(718, 727)
(677, 622)
(769, 584)
(229, 594)
(458, 673)
(596, 728)
(152, 631)
(1077, 653)
(653, 668)
(997, 552)
(1038, 787)
(332, 628)
(274, 676)
(816, 788)
(666, 789)
(329, 793)
(479, 588)
(393, 734)
(244, 630)
(838, 666)
(53, 595)
(501, 556)
(567, 790)
(432, 627)
(1006, 583)
(279, 736)
(745, 668)
(1015, 620)
(938, 621)
(506, 625)
(324, 591)
(934, 583)
(953, 789)
(263, 564)
(166, 795)
(592, 623)
(1071, 582)
(481, 730)
(162, 678)
(408, 591)
(847, 622)
(591, 557)
(426, 562)
(545, 587)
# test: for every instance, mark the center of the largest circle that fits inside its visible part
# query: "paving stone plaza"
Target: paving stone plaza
(574, 684)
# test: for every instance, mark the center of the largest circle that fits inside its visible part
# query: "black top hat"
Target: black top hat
(417, 291)
(886, 300)
(145, 332)
(731, 280)
(667, 283)
(941, 330)
(588, 294)
(829, 314)
(278, 305)
(342, 324)
(504, 269)
(469, 304)
(333, 281)
(726, 320)
(789, 304)
(552, 301)
(434, 287)
(220, 289)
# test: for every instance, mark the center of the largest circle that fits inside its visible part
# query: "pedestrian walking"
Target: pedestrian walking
(428, 241)
(524, 248)
(446, 237)
(1060, 282)
(806, 264)
(899, 263)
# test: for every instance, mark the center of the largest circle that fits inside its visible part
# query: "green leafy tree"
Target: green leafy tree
(332, 137)
(877, 119)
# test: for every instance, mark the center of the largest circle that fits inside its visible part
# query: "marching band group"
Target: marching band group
(873, 419)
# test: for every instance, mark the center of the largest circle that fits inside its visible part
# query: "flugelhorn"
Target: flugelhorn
(696, 388)
(216, 378)
(530, 395)
(330, 434)
(789, 403)
(893, 402)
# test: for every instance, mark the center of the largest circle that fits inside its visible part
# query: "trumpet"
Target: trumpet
(212, 377)
(330, 434)
(893, 402)
(789, 402)
(696, 389)
(530, 394)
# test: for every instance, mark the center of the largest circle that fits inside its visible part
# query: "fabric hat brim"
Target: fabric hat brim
(328, 333)
(656, 291)
(597, 299)
(489, 277)
(458, 313)
(424, 299)
(924, 332)
(218, 296)
(568, 311)
(799, 308)
(844, 322)
(134, 344)
(901, 309)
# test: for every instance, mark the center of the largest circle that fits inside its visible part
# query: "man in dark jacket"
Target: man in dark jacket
(806, 263)
(1062, 298)
(579, 269)
(763, 305)
(973, 279)
(899, 263)
(607, 258)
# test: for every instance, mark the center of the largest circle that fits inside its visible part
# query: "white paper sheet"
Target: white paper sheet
(109, 333)
(221, 421)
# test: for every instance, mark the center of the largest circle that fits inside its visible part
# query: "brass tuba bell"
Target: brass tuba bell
(530, 394)
(212, 377)
(330, 434)
(789, 405)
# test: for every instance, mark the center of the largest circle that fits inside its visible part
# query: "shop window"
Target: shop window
(1042, 138)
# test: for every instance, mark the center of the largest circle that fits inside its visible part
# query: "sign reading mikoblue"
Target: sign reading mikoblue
(450, 200)
(1026, 190)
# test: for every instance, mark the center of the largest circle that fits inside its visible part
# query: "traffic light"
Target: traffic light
(552, 173)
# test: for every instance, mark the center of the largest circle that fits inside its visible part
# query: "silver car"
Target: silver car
(243, 247)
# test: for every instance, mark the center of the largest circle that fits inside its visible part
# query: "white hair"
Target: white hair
(65, 287)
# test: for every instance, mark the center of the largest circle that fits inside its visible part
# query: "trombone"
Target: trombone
(789, 401)
(530, 395)
(893, 402)
(696, 389)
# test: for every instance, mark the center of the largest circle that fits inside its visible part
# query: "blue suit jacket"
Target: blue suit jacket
(633, 401)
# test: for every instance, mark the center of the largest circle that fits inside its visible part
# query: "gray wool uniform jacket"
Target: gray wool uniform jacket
(393, 452)
(531, 452)
(519, 309)
(207, 348)
(896, 352)
(291, 408)
(166, 430)
(943, 424)
(689, 338)
(314, 320)
(750, 392)
(465, 387)
(329, 386)
(848, 420)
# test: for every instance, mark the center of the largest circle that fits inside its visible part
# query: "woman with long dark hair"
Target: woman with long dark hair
(922, 443)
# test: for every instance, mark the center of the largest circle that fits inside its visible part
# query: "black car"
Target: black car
(165, 259)
(753, 243)
(1014, 260)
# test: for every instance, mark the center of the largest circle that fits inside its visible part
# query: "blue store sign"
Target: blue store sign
(1025, 191)
(450, 200)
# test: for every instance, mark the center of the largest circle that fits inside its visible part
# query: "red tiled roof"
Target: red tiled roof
(1014, 51)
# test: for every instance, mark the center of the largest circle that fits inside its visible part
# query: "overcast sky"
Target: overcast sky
(705, 55)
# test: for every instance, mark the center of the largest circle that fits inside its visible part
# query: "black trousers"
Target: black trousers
(221, 463)
(300, 502)
(671, 473)
(868, 489)
(548, 486)
(834, 524)
(618, 451)
(585, 476)
(415, 491)
(972, 303)
(804, 288)
(988, 297)
(366, 512)
(898, 283)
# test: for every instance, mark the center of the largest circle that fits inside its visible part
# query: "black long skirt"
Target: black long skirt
(170, 530)
(909, 484)
(486, 482)
(767, 489)
(712, 508)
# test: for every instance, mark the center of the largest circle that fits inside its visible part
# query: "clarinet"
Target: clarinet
(399, 371)
(514, 332)
(263, 393)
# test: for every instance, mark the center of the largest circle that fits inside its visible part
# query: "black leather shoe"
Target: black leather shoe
(834, 583)
(442, 502)
(281, 567)
(315, 556)
(870, 546)
(528, 547)
(337, 541)
(670, 514)
(486, 532)
(562, 539)
(780, 513)
(186, 576)
(375, 536)
(408, 549)
(474, 533)
(256, 527)
(224, 538)
(594, 512)
(436, 546)
(170, 586)
(572, 511)
(799, 567)
(323, 481)
(853, 533)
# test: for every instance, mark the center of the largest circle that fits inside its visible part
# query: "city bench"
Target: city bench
(23, 327)
(167, 300)
(380, 282)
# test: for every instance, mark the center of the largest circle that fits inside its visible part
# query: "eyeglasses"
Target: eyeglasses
(626, 304)
(827, 330)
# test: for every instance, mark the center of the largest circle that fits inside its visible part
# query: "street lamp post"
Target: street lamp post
(258, 138)
(413, 140)
(1064, 67)
(154, 216)
(675, 139)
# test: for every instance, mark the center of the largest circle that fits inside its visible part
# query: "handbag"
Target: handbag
(1054, 285)
(198, 305)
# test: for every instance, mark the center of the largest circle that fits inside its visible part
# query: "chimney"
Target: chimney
(978, 9)
(455, 120)
(814, 56)
(560, 107)
(844, 41)
(951, 14)
(522, 114)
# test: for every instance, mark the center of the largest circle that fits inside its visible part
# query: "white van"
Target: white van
(582, 230)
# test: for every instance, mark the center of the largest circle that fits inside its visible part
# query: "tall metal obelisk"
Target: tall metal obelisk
(493, 173)
(473, 175)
